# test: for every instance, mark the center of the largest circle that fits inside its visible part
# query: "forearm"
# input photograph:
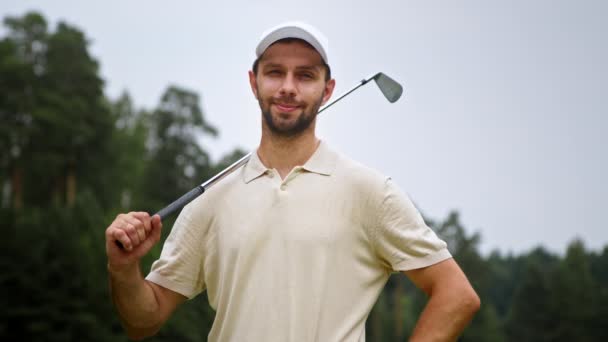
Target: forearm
(445, 316)
(135, 301)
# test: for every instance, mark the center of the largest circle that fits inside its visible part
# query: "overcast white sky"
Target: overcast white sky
(504, 116)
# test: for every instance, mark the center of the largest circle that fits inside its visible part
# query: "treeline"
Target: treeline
(71, 159)
(537, 296)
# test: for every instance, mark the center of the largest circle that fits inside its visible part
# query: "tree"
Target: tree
(177, 163)
(74, 125)
(121, 188)
(599, 271)
(531, 316)
(22, 61)
(54, 117)
(574, 298)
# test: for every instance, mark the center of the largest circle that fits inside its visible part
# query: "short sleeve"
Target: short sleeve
(401, 238)
(180, 266)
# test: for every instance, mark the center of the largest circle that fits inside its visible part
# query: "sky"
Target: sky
(503, 118)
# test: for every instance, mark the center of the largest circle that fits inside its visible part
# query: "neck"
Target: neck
(285, 153)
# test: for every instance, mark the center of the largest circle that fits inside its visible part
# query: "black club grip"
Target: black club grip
(176, 205)
(180, 202)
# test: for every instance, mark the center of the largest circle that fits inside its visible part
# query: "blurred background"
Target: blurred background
(499, 139)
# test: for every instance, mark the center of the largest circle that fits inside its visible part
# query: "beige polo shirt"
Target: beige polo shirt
(299, 259)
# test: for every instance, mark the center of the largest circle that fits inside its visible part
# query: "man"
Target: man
(296, 245)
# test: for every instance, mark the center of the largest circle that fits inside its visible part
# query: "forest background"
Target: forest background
(71, 159)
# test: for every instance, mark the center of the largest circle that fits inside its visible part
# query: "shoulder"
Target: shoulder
(363, 186)
(200, 210)
(359, 176)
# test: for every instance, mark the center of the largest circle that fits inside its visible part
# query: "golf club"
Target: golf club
(390, 88)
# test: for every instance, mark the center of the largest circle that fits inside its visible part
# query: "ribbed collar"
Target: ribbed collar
(323, 162)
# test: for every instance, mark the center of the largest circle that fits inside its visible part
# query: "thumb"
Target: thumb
(157, 225)
(156, 222)
(154, 236)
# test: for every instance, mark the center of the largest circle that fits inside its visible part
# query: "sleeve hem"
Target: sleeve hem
(171, 285)
(428, 260)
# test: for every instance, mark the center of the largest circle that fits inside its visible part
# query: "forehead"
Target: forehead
(291, 51)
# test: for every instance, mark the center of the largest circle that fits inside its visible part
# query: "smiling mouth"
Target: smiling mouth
(286, 107)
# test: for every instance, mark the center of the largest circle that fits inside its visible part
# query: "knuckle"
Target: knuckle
(120, 234)
(130, 228)
(111, 231)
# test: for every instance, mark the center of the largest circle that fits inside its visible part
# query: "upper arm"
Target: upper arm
(167, 300)
(443, 275)
(400, 237)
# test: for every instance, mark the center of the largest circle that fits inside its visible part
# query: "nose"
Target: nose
(288, 87)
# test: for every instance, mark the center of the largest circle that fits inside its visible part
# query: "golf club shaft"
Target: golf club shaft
(200, 189)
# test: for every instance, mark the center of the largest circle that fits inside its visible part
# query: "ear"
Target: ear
(329, 89)
(253, 83)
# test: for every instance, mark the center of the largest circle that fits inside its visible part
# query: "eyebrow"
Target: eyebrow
(312, 67)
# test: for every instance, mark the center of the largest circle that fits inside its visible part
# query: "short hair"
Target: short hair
(290, 40)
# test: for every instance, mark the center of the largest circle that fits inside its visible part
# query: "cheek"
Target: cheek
(317, 94)
(268, 87)
(312, 91)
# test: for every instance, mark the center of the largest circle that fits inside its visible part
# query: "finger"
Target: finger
(138, 224)
(141, 233)
(133, 219)
(156, 222)
(120, 236)
(144, 217)
(131, 231)
(157, 226)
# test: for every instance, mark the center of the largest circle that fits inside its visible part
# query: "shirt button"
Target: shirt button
(270, 174)
(283, 187)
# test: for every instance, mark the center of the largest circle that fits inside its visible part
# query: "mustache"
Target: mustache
(286, 100)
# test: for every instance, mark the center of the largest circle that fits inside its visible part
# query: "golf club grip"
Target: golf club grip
(176, 205)
(180, 202)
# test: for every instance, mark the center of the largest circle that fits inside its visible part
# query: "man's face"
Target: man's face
(290, 87)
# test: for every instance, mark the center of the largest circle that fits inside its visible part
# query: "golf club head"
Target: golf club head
(389, 87)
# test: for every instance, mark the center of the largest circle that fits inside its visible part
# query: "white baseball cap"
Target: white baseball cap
(294, 29)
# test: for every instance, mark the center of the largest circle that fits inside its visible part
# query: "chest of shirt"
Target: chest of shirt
(308, 213)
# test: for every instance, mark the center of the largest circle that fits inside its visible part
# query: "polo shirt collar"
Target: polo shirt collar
(254, 168)
(323, 162)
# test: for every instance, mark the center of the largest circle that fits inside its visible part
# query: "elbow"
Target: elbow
(472, 303)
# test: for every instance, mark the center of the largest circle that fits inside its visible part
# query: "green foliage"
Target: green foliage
(177, 162)
(536, 296)
(530, 318)
(71, 159)
(56, 291)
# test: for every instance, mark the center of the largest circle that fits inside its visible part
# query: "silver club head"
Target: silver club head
(389, 87)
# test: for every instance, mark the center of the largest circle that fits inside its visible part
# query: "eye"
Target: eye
(274, 72)
(307, 76)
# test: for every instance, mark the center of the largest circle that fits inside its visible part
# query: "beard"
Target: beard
(292, 129)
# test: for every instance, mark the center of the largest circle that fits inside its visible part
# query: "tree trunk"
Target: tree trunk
(70, 185)
(16, 188)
